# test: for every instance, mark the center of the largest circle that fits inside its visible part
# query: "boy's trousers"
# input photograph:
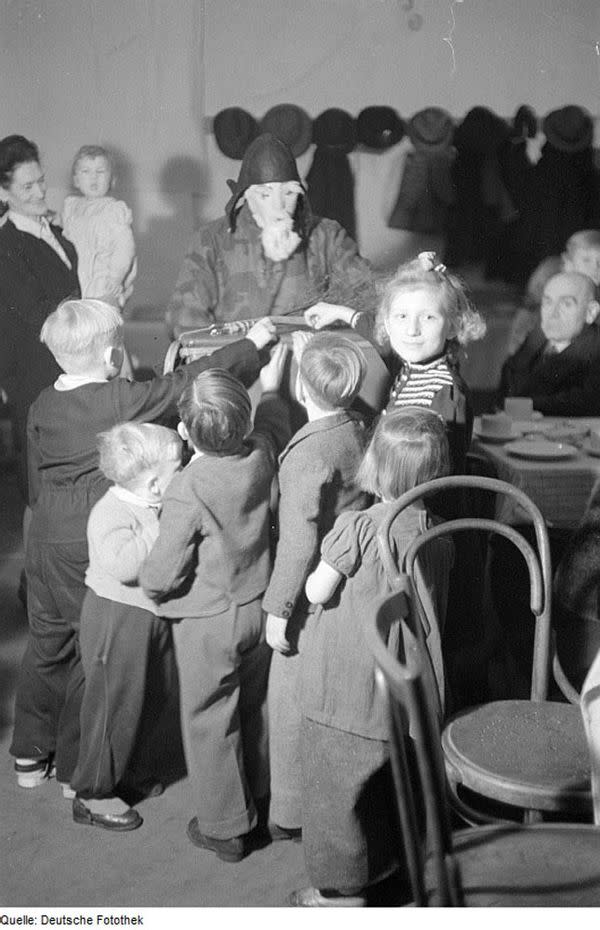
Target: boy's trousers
(223, 666)
(128, 660)
(50, 684)
(285, 720)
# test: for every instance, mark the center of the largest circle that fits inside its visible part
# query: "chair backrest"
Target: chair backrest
(404, 685)
(590, 711)
(539, 564)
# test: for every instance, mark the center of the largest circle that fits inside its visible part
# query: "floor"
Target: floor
(49, 861)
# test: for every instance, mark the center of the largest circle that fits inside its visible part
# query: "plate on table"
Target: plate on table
(541, 450)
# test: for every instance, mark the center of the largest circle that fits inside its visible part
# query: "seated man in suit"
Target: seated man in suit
(558, 365)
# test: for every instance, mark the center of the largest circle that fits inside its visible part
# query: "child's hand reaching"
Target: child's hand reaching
(275, 633)
(262, 333)
(272, 373)
(324, 314)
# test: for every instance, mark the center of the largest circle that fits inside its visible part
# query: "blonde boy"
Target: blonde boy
(86, 339)
(126, 651)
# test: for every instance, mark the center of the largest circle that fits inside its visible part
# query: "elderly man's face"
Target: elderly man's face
(270, 202)
(567, 305)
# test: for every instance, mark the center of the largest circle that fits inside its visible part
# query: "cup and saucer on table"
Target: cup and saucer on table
(591, 444)
(524, 418)
(540, 441)
(495, 427)
(517, 418)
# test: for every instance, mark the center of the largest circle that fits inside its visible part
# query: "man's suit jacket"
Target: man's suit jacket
(33, 281)
(561, 384)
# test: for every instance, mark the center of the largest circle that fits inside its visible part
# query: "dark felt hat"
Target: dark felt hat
(431, 129)
(481, 131)
(569, 129)
(379, 128)
(267, 159)
(335, 129)
(291, 124)
(234, 129)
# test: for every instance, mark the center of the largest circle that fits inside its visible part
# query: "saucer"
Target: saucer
(530, 426)
(541, 450)
(494, 437)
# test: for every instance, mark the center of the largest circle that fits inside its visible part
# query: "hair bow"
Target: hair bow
(429, 262)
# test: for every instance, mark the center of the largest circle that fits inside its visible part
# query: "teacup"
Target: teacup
(495, 424)
(594, 440)
(519, 408)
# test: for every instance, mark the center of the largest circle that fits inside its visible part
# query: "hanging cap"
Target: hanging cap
(234, 129)
(569, 129)
(379, 128)
(431, 128)
(336, 129)
(481, 131)
(291, 124)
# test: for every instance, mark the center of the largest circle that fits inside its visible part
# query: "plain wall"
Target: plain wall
(144, 77)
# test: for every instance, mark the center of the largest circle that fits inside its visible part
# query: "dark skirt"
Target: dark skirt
(350, 831)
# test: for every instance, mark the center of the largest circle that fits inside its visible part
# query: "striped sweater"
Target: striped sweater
(417, 384)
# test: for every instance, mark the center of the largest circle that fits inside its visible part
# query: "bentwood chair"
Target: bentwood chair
(590, 709)
(513, 865)
(527, 757)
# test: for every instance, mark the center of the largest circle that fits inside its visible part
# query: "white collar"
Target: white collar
(130, 498)
(66, 382)
(27, 224)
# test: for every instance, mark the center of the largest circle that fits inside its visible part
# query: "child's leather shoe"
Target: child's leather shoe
(312, 897)
(230, 850)
(284, 833)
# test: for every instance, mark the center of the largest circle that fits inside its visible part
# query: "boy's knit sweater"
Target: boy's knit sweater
(121, 532)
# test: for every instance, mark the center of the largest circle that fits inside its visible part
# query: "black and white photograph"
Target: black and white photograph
(299, 459)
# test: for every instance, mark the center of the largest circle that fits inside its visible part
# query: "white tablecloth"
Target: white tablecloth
(561, 489)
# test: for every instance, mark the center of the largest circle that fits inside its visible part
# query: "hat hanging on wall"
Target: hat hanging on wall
(569, 129)
(336, 129)
(291, 124)
(234, 129)
(481, 131)
(379, 128)
(431, 129)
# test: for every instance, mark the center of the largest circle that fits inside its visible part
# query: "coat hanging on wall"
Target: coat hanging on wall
(483, 205)
(329, 180)
(564, 191)
(427, 187)
(518, 173)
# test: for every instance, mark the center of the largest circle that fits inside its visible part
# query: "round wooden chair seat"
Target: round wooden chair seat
(545, 865)
(528, 754)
